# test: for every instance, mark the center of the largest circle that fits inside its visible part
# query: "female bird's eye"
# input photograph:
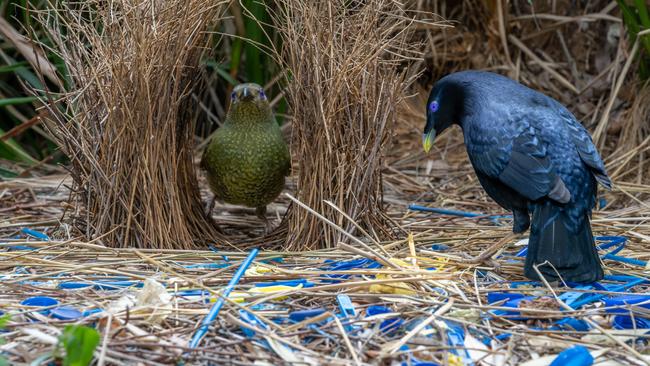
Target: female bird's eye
(262, 95)
(233, 95)
(433, 106)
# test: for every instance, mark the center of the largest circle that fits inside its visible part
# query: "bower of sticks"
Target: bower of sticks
(380, 253)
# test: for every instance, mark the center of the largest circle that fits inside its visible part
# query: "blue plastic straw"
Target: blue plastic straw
(214, 311)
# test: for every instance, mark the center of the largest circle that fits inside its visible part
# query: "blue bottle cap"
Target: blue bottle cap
(65, 313)
(39, 301)
(574, 356)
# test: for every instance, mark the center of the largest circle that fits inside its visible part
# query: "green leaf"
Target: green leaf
(79, 342)
(10, 150)
(18, 100)
(4, 320)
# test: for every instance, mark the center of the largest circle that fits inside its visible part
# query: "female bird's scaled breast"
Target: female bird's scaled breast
(247, 167)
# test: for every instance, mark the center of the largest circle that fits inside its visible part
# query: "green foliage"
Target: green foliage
(636, 18)
(79, 343)
(17, 77)
(3, 322)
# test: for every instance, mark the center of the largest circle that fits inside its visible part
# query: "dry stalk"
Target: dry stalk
(346, 68)
(125, 124)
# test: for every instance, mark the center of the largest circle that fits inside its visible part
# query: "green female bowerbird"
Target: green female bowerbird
(247, 160)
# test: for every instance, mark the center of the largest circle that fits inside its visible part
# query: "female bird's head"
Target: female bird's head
(248, 101)
(444, 108)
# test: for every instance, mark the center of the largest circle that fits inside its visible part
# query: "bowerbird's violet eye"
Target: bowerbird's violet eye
(233, 95)
(433, 106)
(262, 95)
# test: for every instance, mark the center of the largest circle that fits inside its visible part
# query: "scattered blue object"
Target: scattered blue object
(73, 285)
(627, 322)
(214, 311)
(574, 356)
(300, 315)
(493, 297)
(40, 301)
(640, 300)
(91, 312)
(66, 313)
(291, 283)
(444, 211)
(207, 266)
(347, 310)
(456, 340)
(251, 319)
(35, 234)
(439, 247)
(387, 326)
(116, 285)
(572, 324)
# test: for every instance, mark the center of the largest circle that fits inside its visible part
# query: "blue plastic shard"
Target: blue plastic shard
(620, 304)
(292, 283)
(388, 326)
(456, 339)
(35, 234)
(574, 356)
(251, 319)
(628, 322)
(300, 315)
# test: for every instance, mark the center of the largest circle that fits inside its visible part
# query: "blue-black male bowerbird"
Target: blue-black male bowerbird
(532, 156)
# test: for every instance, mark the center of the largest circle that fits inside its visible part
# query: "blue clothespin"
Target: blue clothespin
(348, 311)
(214, 311)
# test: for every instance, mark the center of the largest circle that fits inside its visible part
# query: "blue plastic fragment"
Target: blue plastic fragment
(493, 297)
(207, 266)
(574, 356)
(116, 285)
(91, 312)
(639, 300)
(73, 285)
(573, 324)
(291, 283)
(618, 288)
(66, 313)
(251, 319)
(300, 315)
(602, 202)
(20, 247)
(35, 234)
(439, 247)
(456, 339)
(627, 322)
(444, 211)
(387, 326)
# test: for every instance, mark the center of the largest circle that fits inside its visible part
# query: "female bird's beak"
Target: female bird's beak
(427, 140)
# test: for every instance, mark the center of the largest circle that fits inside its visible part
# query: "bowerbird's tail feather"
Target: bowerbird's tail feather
(573, 254)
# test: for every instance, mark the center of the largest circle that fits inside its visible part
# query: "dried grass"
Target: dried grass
(132, 66)
(344, 61)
